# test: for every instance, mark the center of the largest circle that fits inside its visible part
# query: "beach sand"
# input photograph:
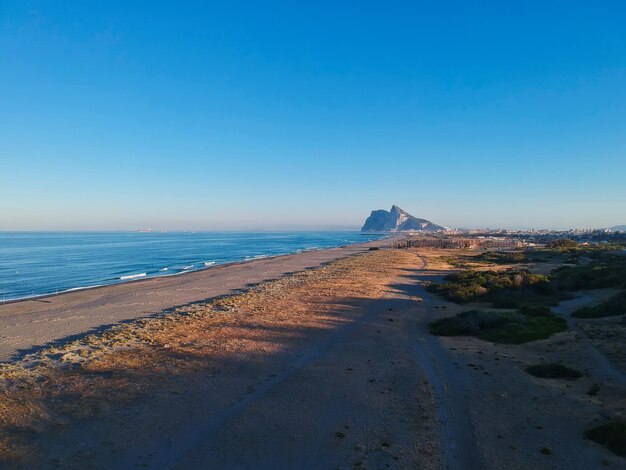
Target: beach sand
(313, 370)
(30, 323)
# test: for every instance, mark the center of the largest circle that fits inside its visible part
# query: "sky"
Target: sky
(269, 115)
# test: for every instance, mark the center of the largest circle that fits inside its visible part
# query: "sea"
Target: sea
(34, 264)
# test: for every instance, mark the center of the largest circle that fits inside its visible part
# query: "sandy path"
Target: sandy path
(603, 369)
(351, 399)
(32, 323)
(449, 387)
(352, 382)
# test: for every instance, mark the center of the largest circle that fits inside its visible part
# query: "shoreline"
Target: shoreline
(204, 268)
(30, 323)
(182, 389)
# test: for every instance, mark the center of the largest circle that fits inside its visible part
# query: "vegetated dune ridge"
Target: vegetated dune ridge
(325, 368)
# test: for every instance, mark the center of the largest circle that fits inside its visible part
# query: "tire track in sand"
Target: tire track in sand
(448, 384)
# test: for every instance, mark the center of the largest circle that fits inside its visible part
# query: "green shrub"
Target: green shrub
(553, 371)
(471, 285)
(562, 243)
(469, 323)
(524, 297)
(610, 435)
(533, 329)
(535, 311)
(612, 307)
(500, 258)
(498, 327)
(505, 301)
(608, 272)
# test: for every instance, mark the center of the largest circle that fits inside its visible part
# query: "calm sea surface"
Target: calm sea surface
(40, 263)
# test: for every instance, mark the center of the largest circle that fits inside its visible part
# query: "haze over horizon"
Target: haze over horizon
(269, 116)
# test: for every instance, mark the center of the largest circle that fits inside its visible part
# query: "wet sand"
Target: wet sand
(32, 323)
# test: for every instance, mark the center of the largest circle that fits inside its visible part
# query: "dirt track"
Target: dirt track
(371, 380)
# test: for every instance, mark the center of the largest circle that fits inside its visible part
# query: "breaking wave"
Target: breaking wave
(133, 276)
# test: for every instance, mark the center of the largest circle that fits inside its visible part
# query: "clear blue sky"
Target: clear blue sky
(228, 115)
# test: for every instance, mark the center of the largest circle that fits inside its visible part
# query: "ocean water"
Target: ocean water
(39, 263)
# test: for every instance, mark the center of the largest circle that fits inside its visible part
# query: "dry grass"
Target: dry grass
(445, 260)
(82, 379)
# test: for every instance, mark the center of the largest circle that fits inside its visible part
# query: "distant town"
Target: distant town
(424, 233)
(509, 239)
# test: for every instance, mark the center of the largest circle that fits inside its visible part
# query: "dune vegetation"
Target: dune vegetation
(516, 327)
(553, 371)
(504, 289)
(610, 435)
(612, 307)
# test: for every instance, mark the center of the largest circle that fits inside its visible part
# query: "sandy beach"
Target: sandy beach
(323, 358)
(330, 367)
(30, 323)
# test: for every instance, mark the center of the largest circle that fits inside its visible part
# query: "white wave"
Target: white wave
(164, 269)
(47, 294)
(79, 288)
(209, 263)
(188, 267)
(133, 276)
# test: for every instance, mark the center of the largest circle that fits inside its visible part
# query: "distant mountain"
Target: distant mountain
(619, 228)
(397, 220)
